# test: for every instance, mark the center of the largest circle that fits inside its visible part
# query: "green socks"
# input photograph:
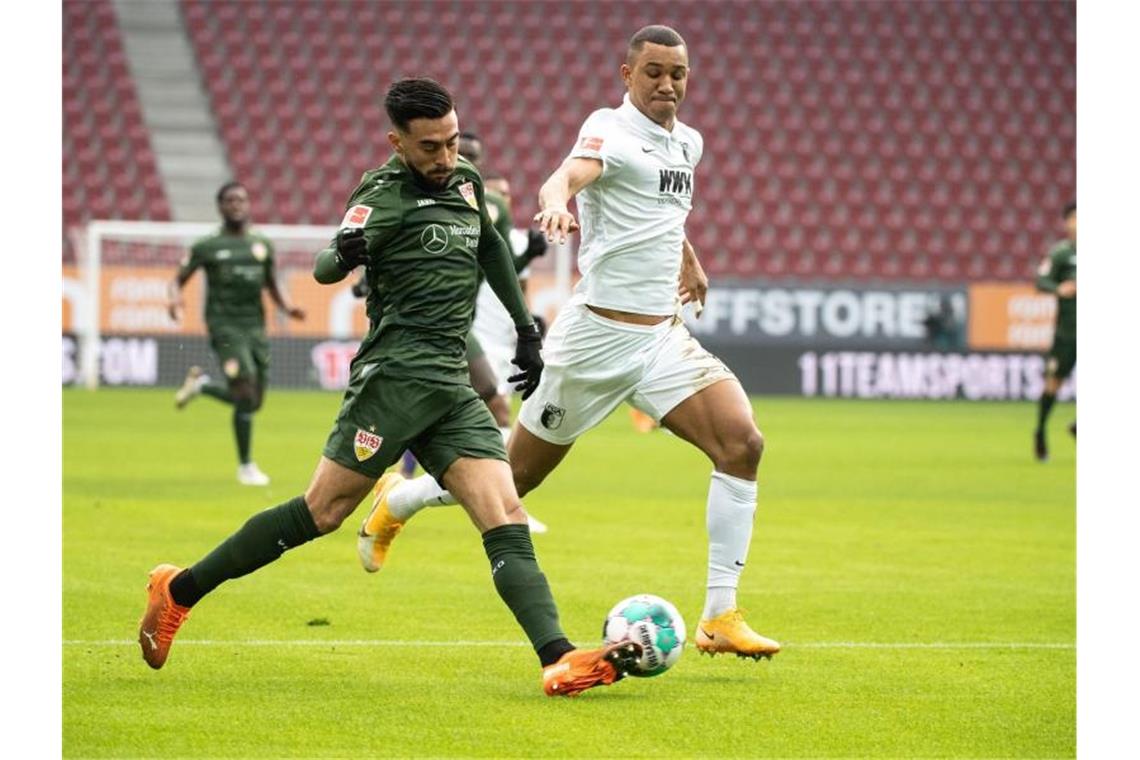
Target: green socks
(1044, 406)
(262, 539)
(521, 584)
(243, 431)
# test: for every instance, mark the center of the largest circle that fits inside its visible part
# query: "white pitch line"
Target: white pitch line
(461, 643)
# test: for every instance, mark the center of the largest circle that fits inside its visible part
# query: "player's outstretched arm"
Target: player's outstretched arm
(346, 252)
(186, 270)
(555, 220)
(1046, 278)
(274, 289)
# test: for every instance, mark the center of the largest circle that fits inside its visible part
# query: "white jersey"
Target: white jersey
(633, 215)
(493, 326)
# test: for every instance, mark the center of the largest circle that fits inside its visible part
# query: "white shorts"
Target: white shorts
(495, 330)
(593, 364)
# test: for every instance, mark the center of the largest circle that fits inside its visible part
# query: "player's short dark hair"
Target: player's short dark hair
(655, 33)
(1069, 209)
(417, 98)
(492, 174)
(225, 188)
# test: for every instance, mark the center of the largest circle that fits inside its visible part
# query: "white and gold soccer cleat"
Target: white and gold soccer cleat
(250, 474)
(191, 387)
(728, 633)
(380, 527)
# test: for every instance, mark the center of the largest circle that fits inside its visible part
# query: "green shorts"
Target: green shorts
(1062, 358)
(242, 352)
(381, 416)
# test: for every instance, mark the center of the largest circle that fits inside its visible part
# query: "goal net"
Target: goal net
(116, 329)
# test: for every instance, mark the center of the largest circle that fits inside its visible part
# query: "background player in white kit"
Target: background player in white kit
(620, 337)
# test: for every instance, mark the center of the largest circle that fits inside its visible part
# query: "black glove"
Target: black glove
(351, 249)
(535, 245)
(528, 358)
(540, 323)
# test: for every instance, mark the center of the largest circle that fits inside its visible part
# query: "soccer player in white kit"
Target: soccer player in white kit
(620, 338)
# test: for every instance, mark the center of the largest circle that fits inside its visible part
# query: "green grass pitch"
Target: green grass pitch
(917, 564)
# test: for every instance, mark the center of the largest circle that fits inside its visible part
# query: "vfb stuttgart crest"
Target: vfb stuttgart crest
(366, 444)
(467, 190)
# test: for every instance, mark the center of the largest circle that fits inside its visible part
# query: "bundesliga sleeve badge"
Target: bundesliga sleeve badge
(366, 444)
(356, 217)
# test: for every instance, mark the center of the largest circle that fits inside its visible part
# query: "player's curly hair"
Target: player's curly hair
(417, 98)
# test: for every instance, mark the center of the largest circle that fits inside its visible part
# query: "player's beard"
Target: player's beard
(430, 184)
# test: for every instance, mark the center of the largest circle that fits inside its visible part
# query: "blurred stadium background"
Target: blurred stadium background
(880, 178)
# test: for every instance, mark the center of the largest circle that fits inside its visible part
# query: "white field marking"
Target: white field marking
(397, 643)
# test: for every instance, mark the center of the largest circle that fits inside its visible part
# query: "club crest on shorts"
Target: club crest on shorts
(231, 368)
(467, 190)
(551, 417)
(366, 444)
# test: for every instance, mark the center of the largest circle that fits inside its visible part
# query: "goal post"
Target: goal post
(117, 331)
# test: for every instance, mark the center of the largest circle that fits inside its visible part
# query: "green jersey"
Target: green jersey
(426, 250)
(1061, 265)
(237, 268)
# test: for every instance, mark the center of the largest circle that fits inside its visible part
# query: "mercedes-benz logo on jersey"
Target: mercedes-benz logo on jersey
(434, 238)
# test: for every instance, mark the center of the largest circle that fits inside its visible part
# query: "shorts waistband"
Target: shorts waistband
(662, 326)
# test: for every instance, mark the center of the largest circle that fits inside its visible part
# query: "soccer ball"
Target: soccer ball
(651, 622)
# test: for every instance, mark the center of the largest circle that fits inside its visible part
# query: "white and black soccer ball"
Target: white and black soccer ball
(651, 622)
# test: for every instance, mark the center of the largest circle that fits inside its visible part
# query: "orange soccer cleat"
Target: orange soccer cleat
(162, 618)
(583, 669)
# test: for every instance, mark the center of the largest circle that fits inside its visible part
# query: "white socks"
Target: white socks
(411, 496)
(408, 498)
(731, 508)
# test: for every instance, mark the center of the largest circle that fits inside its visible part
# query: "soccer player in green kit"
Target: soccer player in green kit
(239, 264)
(484, 378)
(1058, 275)
(419, 226)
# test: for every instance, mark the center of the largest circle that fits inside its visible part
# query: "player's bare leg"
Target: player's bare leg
(486, 384)
(532, 458)
(485, 489)
(718, 421)
(397, 500)
(332, 495)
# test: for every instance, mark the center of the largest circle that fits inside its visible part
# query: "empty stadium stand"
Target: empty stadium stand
(109, 169)
(850, 140)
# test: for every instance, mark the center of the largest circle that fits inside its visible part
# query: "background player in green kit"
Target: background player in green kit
(239, 264)
(1058, 275)
(419, 226)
